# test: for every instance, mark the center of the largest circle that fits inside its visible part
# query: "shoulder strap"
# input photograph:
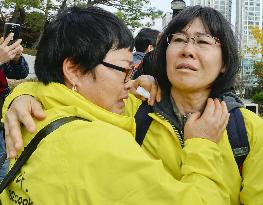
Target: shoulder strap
(31, 147)
(143, 121)
(238, 138)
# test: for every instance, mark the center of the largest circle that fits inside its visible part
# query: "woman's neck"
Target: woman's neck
(190, 102)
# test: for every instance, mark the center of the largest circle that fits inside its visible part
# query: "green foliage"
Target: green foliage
(259, 72)
(22, 3)
(35, 21)
(133, 12)
(258, 98)
(29, 51)
(130, 11)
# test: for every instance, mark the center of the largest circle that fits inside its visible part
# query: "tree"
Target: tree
(19, 6)
(33, 15)
(259, 72)
(258, 35)
(130, 11)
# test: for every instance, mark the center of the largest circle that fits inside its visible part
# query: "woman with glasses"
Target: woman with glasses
(195, 60)
(95, 159)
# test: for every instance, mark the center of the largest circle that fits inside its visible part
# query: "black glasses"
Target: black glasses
(128, 72)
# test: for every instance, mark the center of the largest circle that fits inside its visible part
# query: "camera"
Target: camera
(12, 28)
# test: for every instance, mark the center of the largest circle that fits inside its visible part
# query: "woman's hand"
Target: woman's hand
(149, 84)
(22, 111)
(9, 52)
(211, 124)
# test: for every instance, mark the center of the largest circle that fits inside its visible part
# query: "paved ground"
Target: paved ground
(31, 61)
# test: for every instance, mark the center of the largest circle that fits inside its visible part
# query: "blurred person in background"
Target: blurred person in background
(145, 42)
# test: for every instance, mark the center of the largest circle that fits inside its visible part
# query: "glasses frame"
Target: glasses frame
(128, 72)
(168, 38)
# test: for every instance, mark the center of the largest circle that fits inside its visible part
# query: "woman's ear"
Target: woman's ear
(71, 72)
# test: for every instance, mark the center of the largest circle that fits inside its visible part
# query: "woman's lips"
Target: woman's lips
(186, 67)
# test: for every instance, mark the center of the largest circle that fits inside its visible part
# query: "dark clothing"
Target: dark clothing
(144, 65)
(147, 65)
(12, 70)
(137, 57)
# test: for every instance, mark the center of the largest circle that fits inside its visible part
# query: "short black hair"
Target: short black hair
(219, 27)
(144, 38)
(84, 35)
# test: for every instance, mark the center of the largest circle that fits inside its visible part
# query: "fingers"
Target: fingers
(193, 117)
(211, 124)
(209, 109)
(17, 52)
(8, 39)
(224, 117)
(8, 53)
(21, 111)
(1, 40)
(149, 84)
(12, 145)
(217, 109)
(16, 45)
(37, 111)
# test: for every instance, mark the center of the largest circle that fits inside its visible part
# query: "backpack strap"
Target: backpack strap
(237, 135)
(31, 147)
(143, 121)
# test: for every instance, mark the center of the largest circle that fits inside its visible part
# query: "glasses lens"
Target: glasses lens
(204, 41)
(177, 39)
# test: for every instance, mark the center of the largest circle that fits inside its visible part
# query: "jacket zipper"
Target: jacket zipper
(179, 134)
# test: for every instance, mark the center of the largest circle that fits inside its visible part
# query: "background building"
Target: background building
(248, 13)
(223, 6)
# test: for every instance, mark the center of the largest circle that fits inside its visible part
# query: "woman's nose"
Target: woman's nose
(189, 51)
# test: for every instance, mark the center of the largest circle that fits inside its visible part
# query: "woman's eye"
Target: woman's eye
(203, 42)
(179, 40)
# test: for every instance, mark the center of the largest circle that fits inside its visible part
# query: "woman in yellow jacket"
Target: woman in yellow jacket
(95, 160)
(197, 58)
(203, 45)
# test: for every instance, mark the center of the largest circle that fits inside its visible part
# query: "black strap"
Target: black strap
(237, 135)
(143, 121)
(31, 147)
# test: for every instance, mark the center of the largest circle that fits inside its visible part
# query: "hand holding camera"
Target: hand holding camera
(10, 45)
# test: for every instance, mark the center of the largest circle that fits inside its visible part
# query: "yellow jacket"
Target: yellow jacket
(161, 142)
(99, 162)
